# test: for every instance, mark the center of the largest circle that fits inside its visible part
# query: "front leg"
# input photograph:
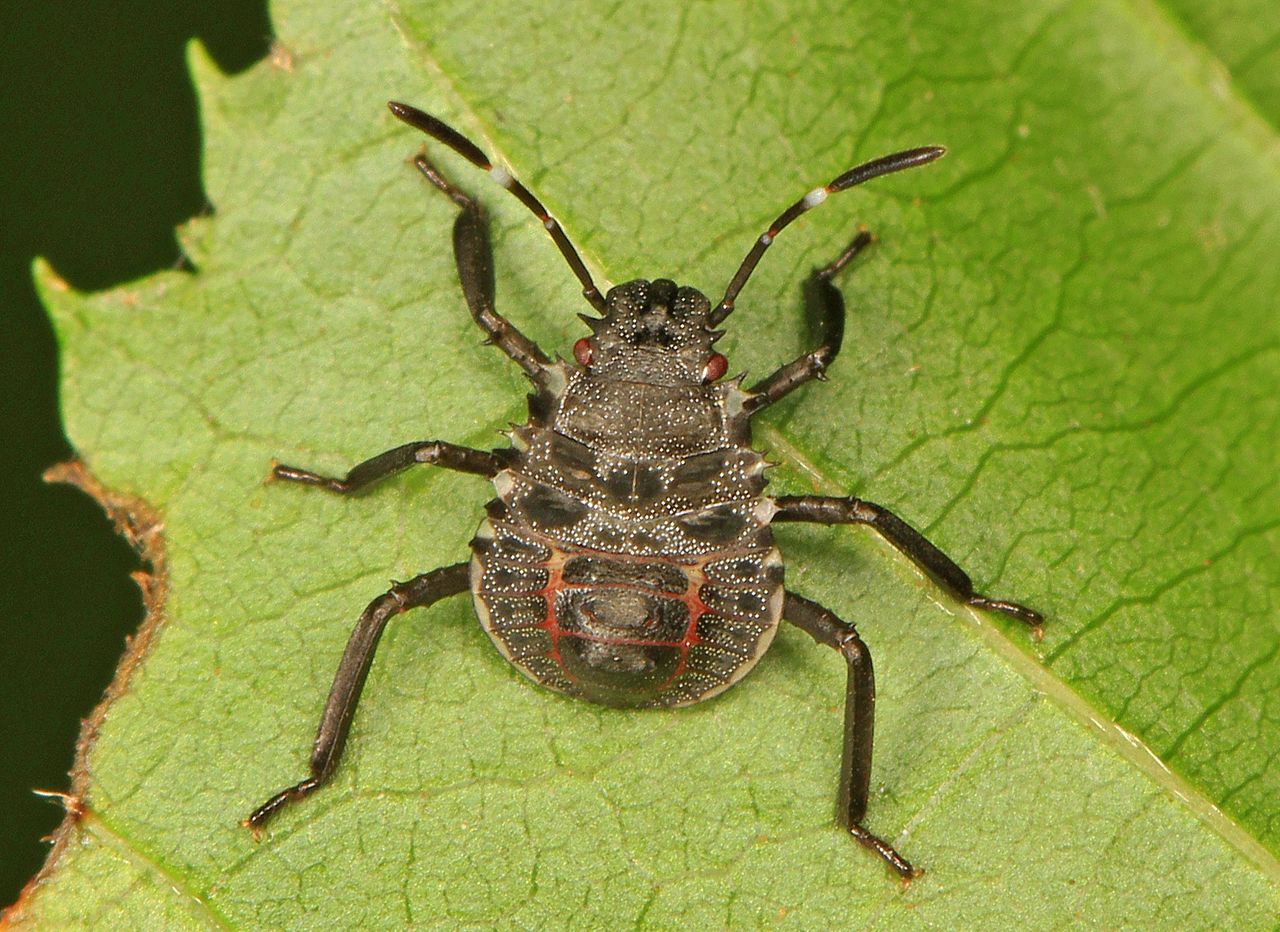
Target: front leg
(819, 509)
(859, 723)
(474, 257)
(823, 299)
(429, 452)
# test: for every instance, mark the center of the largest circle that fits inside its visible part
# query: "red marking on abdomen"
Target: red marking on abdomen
(550, 621)
(697, 608)
(691, 598)
(692, 567)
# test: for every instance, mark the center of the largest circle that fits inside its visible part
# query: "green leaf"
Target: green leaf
(1061, 363)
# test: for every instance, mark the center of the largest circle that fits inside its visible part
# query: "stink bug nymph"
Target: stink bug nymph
(628, 557)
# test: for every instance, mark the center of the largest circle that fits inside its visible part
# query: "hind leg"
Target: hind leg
(344, 694)
(859, 724)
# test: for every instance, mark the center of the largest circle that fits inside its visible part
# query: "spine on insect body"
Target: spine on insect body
(627, 558)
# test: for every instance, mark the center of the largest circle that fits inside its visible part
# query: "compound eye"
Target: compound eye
(582, 351)
(715, 367)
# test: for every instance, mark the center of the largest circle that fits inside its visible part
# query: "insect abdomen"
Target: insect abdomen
(622, 630)
(629, 579)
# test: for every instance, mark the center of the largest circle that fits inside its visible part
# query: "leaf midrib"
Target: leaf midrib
(1243, 101)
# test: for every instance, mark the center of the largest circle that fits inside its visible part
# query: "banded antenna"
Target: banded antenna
(442, 132)
(884, 165)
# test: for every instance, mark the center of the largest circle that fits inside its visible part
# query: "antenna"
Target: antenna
(884, 165)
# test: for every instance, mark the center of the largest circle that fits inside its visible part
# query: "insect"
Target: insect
(628, 559)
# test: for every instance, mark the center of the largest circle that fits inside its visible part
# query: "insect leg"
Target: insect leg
(443, 132)
(818, 509)
(859, 722)
(430, 452)
(474, 257)
(825, 300)
(349, 680)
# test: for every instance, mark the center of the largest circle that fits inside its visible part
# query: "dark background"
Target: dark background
(99, 161)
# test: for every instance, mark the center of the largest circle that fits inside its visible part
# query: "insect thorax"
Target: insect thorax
(627, 559)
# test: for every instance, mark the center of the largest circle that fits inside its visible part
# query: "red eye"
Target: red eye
(714, 368)
(582, 351)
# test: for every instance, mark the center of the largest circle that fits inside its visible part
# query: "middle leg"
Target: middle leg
(822, 509)
(430, 452)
